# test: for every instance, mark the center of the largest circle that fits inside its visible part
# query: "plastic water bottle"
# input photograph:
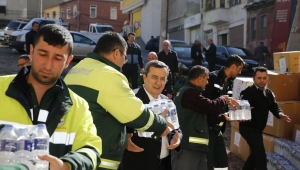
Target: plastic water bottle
(173, 114)
(231, 113)
(40, 146)
(156, 109)
(248, 110)
(23, 146)
(8, 140)
(242, 110)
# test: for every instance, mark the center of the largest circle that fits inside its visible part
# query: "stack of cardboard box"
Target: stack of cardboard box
(285, 86)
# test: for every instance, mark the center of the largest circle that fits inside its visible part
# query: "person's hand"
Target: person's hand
(55, 163)
(227, 116)
(176, 74)
(175, 142)
(231, 102)
(170, 127)
(284, 117)
(202, 46)
(142, 70)
(169, 96)
(131, 146)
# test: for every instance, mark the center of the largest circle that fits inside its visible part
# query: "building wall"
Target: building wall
(269, 11)
(103, 14)
(150, 24)
(15, 9)
(136, 21)
(176, 15)
(51, 10)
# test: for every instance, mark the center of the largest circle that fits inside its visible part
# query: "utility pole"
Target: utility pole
(78, 17)
(163, 23)
(41, 8)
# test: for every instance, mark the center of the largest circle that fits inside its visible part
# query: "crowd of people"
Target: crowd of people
(111, 126)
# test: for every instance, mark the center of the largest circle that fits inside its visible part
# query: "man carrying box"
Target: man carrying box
(262, 100)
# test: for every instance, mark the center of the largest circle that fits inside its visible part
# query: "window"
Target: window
(263, 26)
(74, 11)
(234, 2)
(93, 11)
(222, 50)
(53, 14)
(62, 14)
(222, 3)
(210, 4)
(47, 15)
(68, 13)
(253, 29)
(113, 12)
(81, 39)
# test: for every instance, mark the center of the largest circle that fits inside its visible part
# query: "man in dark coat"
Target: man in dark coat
(29, 37)
(170, 58)
(210, 54)
(262, 101)
(261, 52)
(196, 53)
(144, 152)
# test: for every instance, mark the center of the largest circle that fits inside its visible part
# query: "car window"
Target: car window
(13, 25)
(239, 51)
(22, 25)
(81, 39)
(222, 50)
(104, 29)
(183, 51)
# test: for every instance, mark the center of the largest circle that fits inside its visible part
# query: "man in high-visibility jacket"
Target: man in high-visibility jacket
(98, 79)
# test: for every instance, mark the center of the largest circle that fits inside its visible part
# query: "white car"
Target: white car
(82, 45)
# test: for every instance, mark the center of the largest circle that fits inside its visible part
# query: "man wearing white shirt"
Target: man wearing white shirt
(143, 152)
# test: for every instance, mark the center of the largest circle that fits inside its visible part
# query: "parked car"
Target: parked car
(183, 51)
(82, 45)
(223, 52)
(11, 27)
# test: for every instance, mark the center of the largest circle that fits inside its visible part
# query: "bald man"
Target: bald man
(210, 54)
(168, 90)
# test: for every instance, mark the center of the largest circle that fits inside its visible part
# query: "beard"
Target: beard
(45, 80)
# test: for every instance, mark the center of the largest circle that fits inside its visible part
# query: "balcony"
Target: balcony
(217, 16)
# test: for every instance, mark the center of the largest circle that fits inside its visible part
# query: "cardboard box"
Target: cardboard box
(280, 128)
(238, 145)
(240, 84)
(283, 85)
(235, 124)
(296, 133)
(287, 61)
(269, 142)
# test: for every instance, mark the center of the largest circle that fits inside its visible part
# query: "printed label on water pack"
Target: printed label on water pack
(8, 145)
(40, 144)
(24, 145)
(270, 119)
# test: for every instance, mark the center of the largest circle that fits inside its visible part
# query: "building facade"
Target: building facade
(80, 13)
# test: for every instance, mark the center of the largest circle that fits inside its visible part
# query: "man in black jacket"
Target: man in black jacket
(168, 90)
(135, 60)
(261, 52)
(220, 83)
(29, 37)
(210, 54)
(196, 54)
(262, 101)
(170, 58)
(143, 152)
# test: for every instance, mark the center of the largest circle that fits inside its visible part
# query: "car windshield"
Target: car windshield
(104, 29)
(13, 25)
(239, 51)
(183, 52)
(28, 26)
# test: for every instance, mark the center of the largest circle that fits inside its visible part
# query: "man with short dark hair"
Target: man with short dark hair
(168, 90)
(210, 54)
(135, 61)
(261, 52)
(24, 60)
(196, 53)
(142, 151)
(262, 101)
(192, 109)
(29, 37)
(38, 95)
(220, 83)
(97, 78)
